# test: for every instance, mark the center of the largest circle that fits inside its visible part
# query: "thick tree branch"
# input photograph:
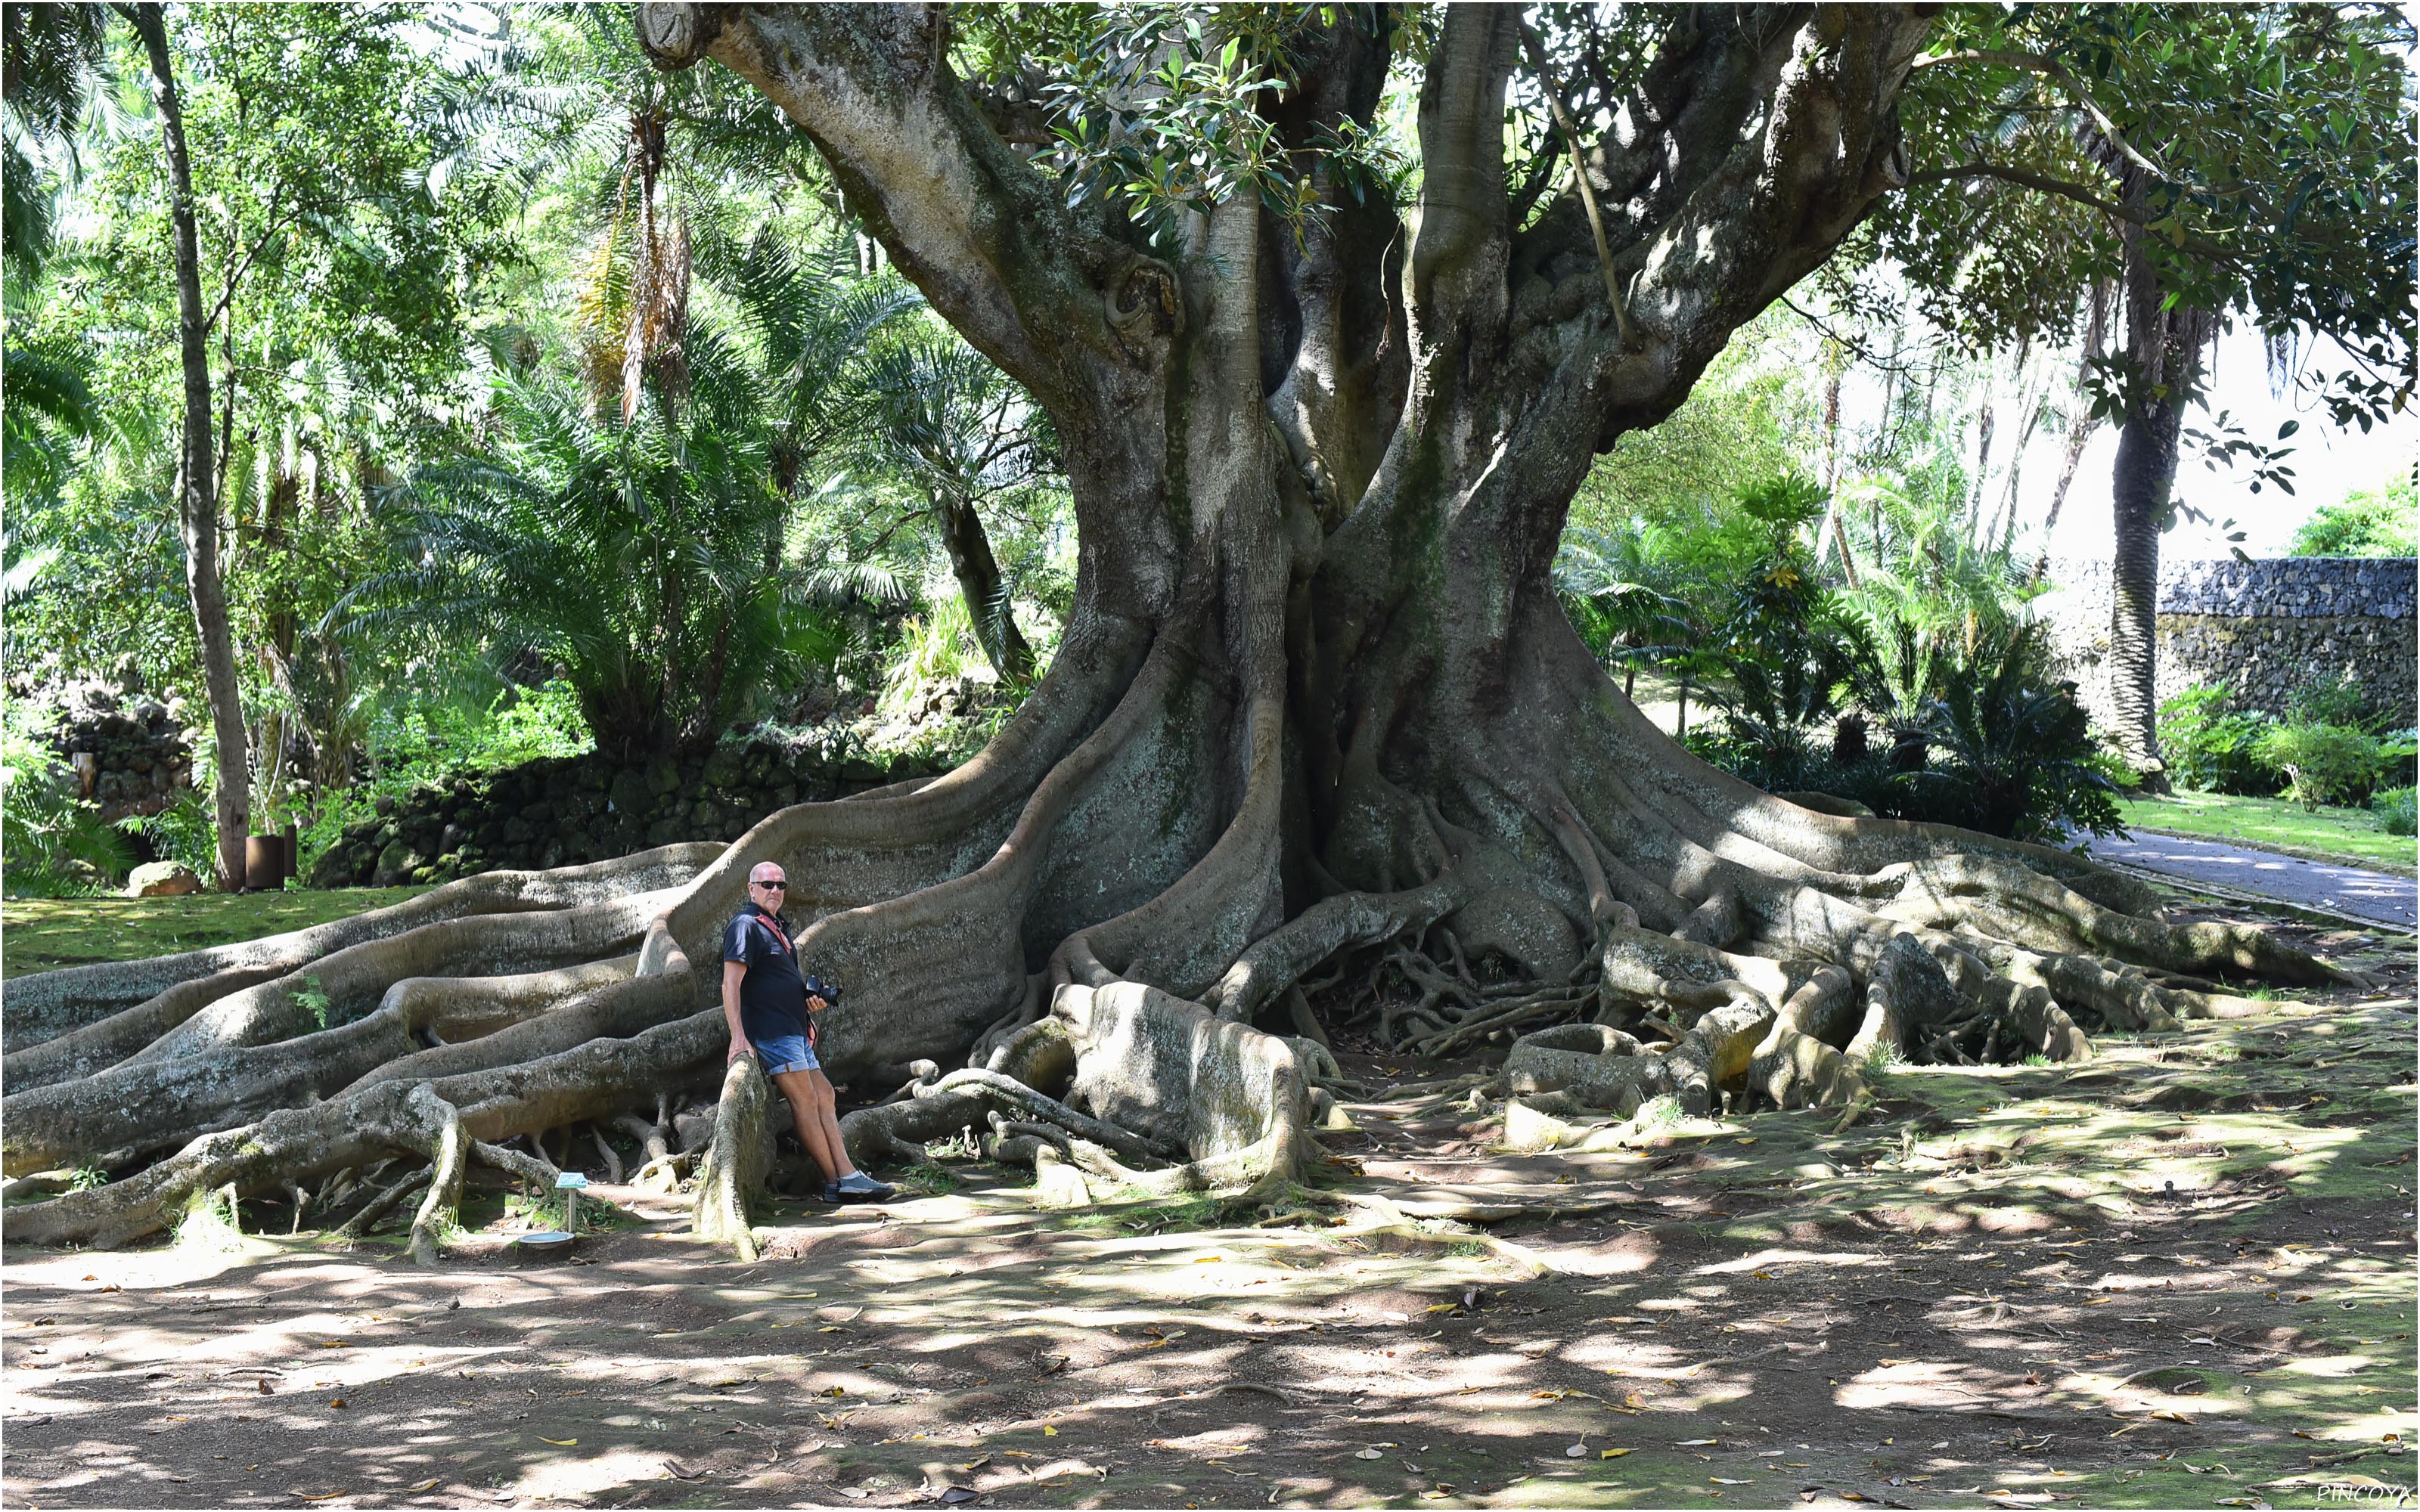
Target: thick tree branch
(1082, 319)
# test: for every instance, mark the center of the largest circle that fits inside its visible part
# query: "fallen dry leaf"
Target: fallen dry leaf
(560, 1444)
(1612, 1454)
(1049, 1432)
(428, 1485)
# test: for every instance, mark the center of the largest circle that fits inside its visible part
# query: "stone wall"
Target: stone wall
(128, 751)
(2266, 628)
(563, 812)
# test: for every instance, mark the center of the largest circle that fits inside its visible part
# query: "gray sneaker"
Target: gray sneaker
(859, 1187)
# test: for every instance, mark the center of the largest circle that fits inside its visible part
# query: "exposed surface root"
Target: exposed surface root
(970, 1099)
(594, 1080)
(1632, 931)
(46, 1006)
(739, 1158)
(1603, 1066)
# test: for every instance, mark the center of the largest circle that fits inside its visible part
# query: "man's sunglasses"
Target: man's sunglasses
(771, 886)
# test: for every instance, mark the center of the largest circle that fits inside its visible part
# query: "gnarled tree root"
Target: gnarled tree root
(1603, 1066)
(1117, 1073)
(593, 1080)
(738, 1159)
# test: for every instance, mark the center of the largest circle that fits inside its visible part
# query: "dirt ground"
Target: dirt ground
(2179, 1274)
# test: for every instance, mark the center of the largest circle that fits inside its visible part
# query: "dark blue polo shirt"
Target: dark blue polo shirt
(772, 997)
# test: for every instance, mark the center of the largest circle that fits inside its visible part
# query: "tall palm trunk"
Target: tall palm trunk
(198, 496)
(2163, 348)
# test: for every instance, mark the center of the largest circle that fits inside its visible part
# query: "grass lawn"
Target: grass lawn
(43, 933)
(2349, 835)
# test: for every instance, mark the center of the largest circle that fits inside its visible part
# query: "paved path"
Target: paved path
(2384, 896)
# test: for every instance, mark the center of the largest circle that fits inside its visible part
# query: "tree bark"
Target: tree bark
(197, 499)
(2163, 348)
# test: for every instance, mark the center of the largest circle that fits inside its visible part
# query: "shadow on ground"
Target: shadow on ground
(2179, 1274)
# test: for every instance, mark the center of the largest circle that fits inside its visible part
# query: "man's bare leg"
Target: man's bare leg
(813, 1113)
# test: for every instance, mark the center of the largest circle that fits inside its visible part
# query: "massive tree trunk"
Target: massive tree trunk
(198, 496)
(1316, 703)
(2163, 348)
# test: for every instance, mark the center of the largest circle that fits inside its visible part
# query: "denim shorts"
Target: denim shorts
(787, 1053)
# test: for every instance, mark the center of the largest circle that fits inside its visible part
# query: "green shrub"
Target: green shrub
(2367, 524)
(2213, 749)
(2341, 702)
(2394, 811)
(2398, 765)
(183, 832)
(414, 741)
(937, 646)
(2016, 755)
(2323, 762)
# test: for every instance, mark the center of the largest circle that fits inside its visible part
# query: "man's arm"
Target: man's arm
(732, 973)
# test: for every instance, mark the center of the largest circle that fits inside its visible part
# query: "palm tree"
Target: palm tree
(1616, 596)
(814, 319)
(2165, 342)
(49, 54)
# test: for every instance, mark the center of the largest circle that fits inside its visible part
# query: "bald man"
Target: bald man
(767, 1003)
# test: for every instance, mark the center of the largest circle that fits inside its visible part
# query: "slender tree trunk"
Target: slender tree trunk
(1833, 524)
(2164, 347)
(197, 502)
(2080, 426)
(986, 596)
(2002, 535)
(1985, 423)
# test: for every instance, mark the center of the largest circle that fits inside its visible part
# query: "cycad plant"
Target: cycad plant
(1913, 636)
(1785, 655)
(2019, 756)
(813, 322)
(634, 553)
(1619, 597)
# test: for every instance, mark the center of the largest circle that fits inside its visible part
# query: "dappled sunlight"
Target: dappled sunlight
(1714, 1320)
